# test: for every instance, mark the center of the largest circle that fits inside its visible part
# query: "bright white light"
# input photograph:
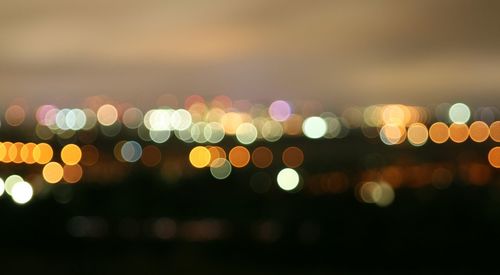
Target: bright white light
(2, 186)
(159, 120)
(314, 127)
(459, 113)
(181, 119)
(76, 119)
(288, 179)
(246, 133)
(10, 181)
(61, 119)
(22, 192)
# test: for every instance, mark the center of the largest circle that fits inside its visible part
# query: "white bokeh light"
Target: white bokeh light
(22, 192)
(314, 127)
(288, 179)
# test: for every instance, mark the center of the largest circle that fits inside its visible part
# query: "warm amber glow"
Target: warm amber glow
(199, 157)
(3, 151)
(293, 157)
(52, 172)
(479, 131)
(439, 132)
(6, 158)
(15, 152)
(392, 134)
(15, 115)
(494, 157)
(417, 134)
(72, 173)
(107, 115)
(90, 155)
(151, 156)
(71, 154)
(27, 153)
(215, 153)
(293, 125)
(239, 156)
(262, 157)
(42, 153)
(459, 132)
(495, 131)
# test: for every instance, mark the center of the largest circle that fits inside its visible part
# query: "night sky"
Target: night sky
(340, 52)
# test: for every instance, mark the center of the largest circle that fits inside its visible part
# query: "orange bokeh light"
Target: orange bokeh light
(479, 131)
(495, 131)
(494, 157)
(72, 173)
(293, 157)
(262, 157)
(439, 132)
(151, 156)
(53, 172)
(42, 153)
(459, 132)
(239, 156)
(71, 154)
(216, 152)
(27, 153)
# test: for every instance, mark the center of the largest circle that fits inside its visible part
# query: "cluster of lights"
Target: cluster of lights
(202, 122)
(15, 186)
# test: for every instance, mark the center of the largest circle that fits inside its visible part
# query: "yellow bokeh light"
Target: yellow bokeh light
(199, 157)
(42, 153)
(15, 152)
(71, 154)
(439, 132)
(417, 134)
(479, 131)
(6, 158)
(53, 172)
(3, 151)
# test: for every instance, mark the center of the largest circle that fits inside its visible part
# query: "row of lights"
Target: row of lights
(418, 134)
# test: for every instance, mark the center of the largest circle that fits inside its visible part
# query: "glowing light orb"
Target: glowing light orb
(22, 192)
(199, 157)
(246, 133)
(220, 168)
(280, 110)
(314, 127)
(459, 113)
(288, 179)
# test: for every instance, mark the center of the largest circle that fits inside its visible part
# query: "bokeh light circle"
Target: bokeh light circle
(314, 127)
(288, 179)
